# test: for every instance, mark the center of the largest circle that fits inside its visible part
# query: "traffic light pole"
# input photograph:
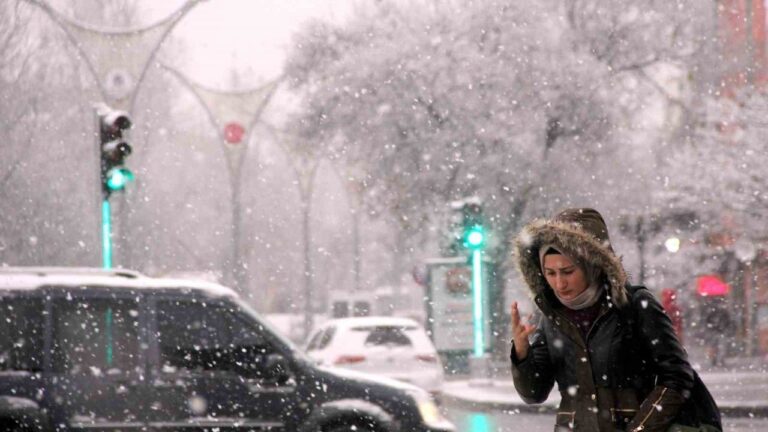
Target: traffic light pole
(477, 303)
(474, 239)
(106, 233)
(105, 224)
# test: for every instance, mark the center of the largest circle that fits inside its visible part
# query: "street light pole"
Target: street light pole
(234, 115)
(305, 165)
(640, 235)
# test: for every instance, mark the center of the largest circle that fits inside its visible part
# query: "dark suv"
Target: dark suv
(88, 349)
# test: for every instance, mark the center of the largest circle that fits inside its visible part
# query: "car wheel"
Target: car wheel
(349, 428)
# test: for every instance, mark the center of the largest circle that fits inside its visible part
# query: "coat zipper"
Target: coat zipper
(641, 426)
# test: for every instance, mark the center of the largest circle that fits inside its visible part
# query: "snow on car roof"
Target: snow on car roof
(370, 321)
(31, 278)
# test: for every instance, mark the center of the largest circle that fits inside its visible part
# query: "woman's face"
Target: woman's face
(564, 276)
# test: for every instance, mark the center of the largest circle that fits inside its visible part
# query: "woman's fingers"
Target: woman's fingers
(520, 332)
(515, 315)
(529, 329)
(516, 322)
(519, 328)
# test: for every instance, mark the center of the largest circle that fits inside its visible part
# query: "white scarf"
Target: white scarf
(587, 298)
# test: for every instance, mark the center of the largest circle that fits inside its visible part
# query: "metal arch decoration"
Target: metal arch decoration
(117, 76)
(223, 107)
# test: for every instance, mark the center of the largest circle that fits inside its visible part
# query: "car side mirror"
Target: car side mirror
(277, 369)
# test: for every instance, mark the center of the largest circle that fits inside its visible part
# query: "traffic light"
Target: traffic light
(113, 149)
(474, 233)
(474, 239)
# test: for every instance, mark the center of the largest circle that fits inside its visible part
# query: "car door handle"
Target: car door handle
(163, 380)
(125, 385)
(169, 383)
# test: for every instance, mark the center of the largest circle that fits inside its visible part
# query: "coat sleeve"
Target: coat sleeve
(674, 375)
(533, 375)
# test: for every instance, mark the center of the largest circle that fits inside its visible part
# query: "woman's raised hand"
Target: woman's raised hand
(520, 332)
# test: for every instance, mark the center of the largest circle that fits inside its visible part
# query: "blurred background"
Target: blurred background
(314, 154)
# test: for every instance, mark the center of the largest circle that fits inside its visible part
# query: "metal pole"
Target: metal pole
(477, 303)
(308, 313)
(106, 234)
(640, 233)
(100, 200)
(238, 274)
(356, 245)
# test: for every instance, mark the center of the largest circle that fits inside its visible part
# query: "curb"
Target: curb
(459, 402)
(744, 411)
(732, 411)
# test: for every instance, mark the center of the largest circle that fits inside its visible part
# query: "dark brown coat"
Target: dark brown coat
(630, 372)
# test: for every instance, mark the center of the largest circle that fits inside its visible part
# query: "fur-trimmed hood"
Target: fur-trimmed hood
(580, 234)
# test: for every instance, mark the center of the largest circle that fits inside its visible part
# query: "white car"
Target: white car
(397, 348)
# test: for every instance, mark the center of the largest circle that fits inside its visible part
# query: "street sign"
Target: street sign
(711, 285)
(450, 307)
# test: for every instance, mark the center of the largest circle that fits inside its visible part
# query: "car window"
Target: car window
(21, 334)
(327, 337)
(322, 339)
(196, 335)
(95, 336)
(385, 335)
(314, 341)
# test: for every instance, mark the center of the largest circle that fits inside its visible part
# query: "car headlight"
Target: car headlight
(429, 412)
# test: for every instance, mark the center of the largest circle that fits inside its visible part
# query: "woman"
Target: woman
(609, 346)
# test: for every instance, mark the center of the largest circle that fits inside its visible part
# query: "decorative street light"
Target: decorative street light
(233, 114)
(117, 76)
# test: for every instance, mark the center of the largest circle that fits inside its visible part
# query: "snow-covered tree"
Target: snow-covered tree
(42, 219)
(528, 106)
(719, 174)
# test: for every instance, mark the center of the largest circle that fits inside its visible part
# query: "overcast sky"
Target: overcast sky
(251, 36)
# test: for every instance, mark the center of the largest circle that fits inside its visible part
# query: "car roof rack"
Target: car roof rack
(46, 271)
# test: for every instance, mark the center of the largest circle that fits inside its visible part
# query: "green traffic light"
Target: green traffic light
(474, 237)
(117, 178)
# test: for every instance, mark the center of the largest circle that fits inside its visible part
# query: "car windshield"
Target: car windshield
(386, 335)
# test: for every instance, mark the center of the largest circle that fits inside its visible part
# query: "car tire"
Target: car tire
(350, 428)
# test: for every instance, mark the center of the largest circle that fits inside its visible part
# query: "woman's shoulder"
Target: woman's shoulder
(642, 299)
(638, 292)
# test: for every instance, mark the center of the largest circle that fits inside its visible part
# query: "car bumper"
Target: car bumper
(431, 382)
(448, 427)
